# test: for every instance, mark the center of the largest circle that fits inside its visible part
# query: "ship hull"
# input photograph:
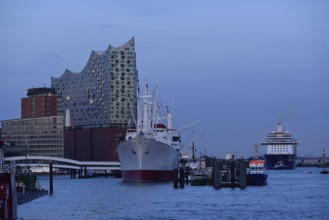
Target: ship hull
(147, 160)
(258, 179)
(280, 162)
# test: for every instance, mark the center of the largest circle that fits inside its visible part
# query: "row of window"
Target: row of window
(92, 108)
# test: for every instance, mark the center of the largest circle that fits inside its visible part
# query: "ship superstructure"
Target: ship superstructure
(281, 149)
(150, 151)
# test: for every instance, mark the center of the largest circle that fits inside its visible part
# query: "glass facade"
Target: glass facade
(42, 136)
(104, 92)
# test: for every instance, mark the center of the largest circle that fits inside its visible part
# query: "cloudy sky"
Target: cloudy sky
(239, 66)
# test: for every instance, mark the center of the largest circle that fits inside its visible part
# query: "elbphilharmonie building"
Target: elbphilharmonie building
(104, 93)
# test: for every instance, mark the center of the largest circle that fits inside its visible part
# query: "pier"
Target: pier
(78, 169)
(310, 161)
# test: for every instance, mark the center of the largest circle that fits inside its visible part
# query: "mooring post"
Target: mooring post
(232, 167)
(243, 174)
(71, 174)
(85, 172)
(216, 174)
(187, 173)
(181, 177)
(50, 177)
(175, 178)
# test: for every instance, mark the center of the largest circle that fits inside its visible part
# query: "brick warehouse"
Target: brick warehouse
(93, 144)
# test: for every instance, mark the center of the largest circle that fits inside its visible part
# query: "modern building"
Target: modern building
(42, 136)
(99, 102)
(41, 127)
(104, 93)
(41, 102)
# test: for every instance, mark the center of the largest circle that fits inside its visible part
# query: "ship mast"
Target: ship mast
(256, 146)
(154, 109)
(145, 111)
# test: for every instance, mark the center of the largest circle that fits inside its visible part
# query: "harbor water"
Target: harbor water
(290, 194)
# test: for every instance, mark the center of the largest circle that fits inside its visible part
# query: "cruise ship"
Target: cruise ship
(150, 151)
(281, 149)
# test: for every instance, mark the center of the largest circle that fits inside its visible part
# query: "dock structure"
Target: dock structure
(181, 175)
(78, 169)
(230, 173)
(211, 171)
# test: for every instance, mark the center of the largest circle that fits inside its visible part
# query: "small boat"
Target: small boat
(324, 170)
(200, 176)
(307, 172)
(256, 175)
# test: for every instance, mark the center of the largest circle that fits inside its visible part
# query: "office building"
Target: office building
(42, 136)
(41, 102)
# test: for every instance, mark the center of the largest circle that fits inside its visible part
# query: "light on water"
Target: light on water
(290, 194)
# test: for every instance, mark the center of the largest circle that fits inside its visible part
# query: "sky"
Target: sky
(239, 66)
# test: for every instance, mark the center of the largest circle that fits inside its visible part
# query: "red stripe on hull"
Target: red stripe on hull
(147, 175)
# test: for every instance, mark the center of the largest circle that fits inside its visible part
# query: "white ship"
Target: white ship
(281, 149)
(150, 151)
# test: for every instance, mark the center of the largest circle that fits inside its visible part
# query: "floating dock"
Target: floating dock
(230, 173)
(225, 173)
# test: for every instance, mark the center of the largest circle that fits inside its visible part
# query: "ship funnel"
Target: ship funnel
(279, 127)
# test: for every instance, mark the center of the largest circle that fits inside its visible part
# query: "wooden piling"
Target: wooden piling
(181, 177)
(187, 173)
(85, 172)
(216, 174)
(175, 178)
(50, 177)
(243, 174)
(232, 174)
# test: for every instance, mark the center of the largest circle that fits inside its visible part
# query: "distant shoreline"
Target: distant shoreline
(310, 162)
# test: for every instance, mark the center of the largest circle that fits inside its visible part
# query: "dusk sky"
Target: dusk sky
(239, 66)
